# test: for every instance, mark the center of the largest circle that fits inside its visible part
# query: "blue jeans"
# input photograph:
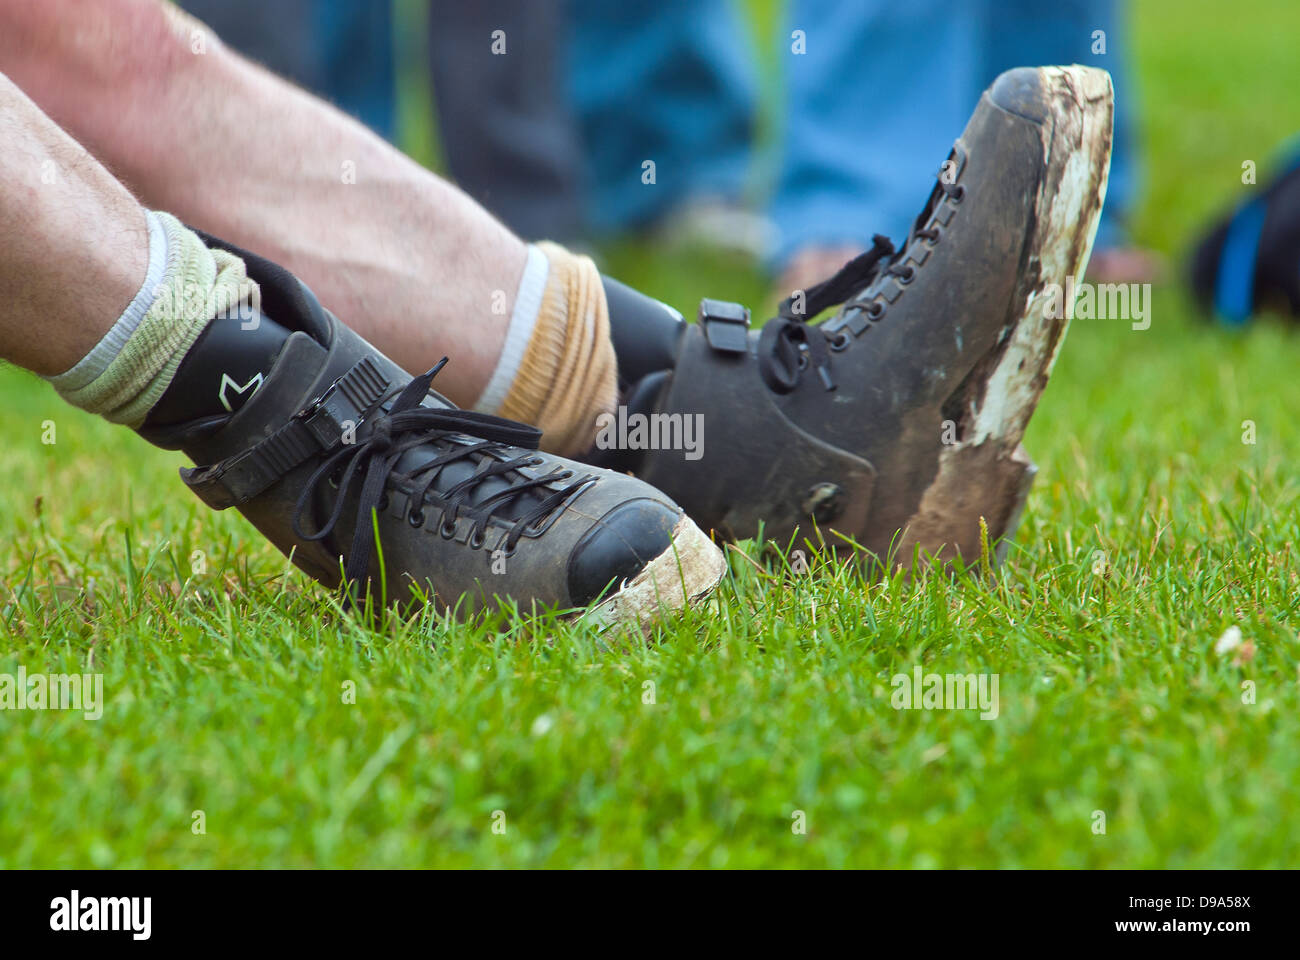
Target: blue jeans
(870, 108)
(662, 81)
(884, 89)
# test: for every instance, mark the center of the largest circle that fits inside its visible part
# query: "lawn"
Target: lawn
(249, 722)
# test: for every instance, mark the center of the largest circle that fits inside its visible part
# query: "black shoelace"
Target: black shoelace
(790, 342)
(408, 425)
(794, 342)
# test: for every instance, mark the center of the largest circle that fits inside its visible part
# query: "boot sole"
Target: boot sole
(987, 474)
(680, 577)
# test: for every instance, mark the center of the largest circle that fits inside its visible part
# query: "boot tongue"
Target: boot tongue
(951, 169)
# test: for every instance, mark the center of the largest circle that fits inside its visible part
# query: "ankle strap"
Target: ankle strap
(318, 427)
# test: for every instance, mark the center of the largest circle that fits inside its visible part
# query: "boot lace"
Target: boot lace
(372, 462)
(790, 343)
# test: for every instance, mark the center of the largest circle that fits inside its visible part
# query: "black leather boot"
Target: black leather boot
(897, 422)
(340, 459)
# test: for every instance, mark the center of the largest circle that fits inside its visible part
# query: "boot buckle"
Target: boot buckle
(347, 400)
(725, 325)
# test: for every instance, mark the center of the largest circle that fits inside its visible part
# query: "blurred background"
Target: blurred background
(773, 139)
(789, 132)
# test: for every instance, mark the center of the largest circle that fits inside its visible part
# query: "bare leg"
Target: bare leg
(407, 259)
(74, 251)
(73, 241)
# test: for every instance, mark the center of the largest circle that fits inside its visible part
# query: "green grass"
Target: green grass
(225, 687)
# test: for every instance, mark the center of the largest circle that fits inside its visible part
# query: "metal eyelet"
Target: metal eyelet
(841, 341)
(476, 540)
(958, 195)
(876, 310)
(447, 531)
(415, 518)
(803, 360)
(905, 278)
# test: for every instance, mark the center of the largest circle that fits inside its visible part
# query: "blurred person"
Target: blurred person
(879, 87)
(510, 133)
(1248, 261)
(674, 85)
(557, 136)
(668, 84)
(895, 424)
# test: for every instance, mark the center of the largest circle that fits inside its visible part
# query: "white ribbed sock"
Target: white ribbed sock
(93, 364)
(130, 368)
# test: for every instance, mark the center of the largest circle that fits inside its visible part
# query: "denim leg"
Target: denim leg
(1032, 33)
(356, 42)
(872, 108)
(669, 83)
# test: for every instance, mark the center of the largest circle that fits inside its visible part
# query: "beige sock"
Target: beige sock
(568, 375)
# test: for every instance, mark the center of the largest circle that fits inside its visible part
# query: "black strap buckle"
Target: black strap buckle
(327, 417)
(317, 427)
(346, 401)
(725, 325)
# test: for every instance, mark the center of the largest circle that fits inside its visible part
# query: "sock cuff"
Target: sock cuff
(197, 283)
(101, 355)
(523, 320)
(568, 375)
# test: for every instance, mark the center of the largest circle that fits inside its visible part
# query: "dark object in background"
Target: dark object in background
(341, 50)
(1250, 260)
(510, 137)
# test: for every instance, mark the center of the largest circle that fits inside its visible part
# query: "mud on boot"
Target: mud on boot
(897, 422)
(336, 442)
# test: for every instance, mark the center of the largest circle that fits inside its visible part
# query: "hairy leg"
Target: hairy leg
(73, 241)
(414, 265)
(78, 251)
